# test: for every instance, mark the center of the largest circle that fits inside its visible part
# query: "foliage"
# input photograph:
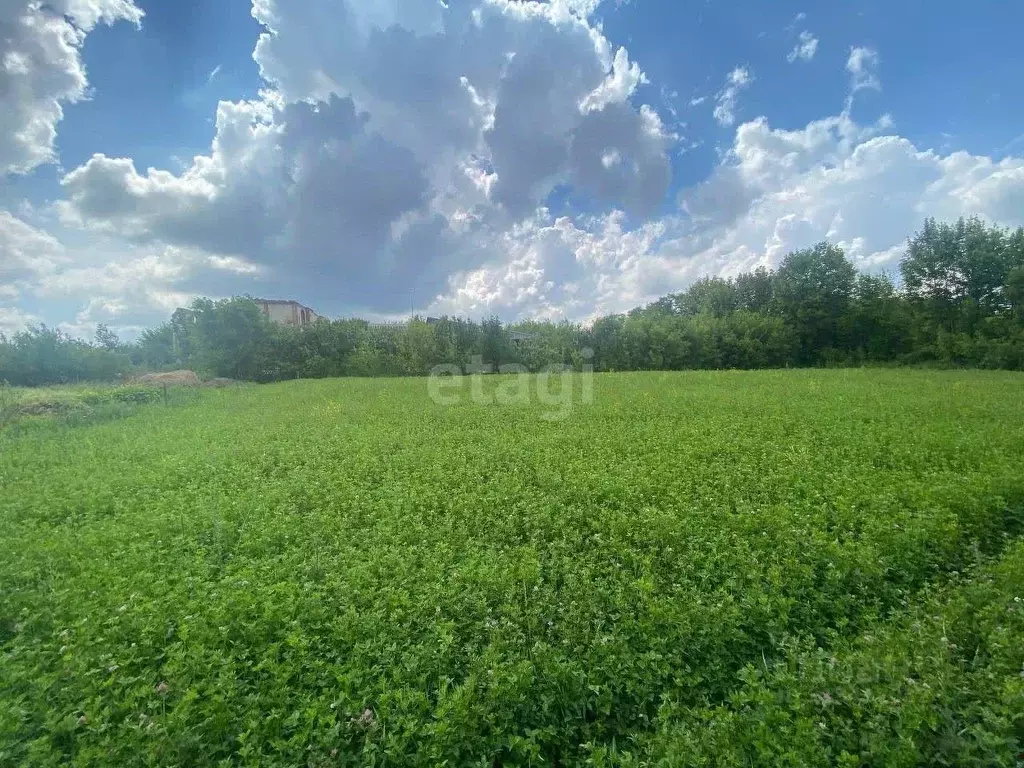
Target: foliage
(42, 355)
(344, 573)
(942, 684)
(961, 303)
(29, 409)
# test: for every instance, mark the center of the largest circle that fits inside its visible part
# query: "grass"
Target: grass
(72, 405)
(345, 573)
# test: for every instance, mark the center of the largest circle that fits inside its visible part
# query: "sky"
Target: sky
(531, 160)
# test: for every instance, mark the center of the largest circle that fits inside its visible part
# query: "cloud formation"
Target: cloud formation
(725, 101)
(805, 48)
(775, 191)
(41, 69)
(377, 162)
(26, 254)
(492, 156)
(863, 68)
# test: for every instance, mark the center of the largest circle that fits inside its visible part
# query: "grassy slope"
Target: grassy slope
(243, 577)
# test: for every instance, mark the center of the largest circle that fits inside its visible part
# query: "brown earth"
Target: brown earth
(171, 379)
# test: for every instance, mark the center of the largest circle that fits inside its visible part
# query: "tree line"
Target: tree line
(958, 301)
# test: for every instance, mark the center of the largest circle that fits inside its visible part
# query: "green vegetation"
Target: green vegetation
(24, 408)
(959, 303)
(728, 568)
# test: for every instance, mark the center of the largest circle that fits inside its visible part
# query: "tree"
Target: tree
(493, 342)
(812, 291)
(40, 355)
(106, 338)
(229, 338)
(155, 347)
(1014, 291)
(709, 295)
(955, 273)
(879, 323)
(754, 290)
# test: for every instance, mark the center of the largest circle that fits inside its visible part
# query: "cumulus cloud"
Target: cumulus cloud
(725, 101)
(561, 268)
(41, 69)
(617, 86)
(13, 320)
(122, 286)
(141, 291)
(27, 254)
(805, 48)
(774, 192)
(408, 149)
(379, 159)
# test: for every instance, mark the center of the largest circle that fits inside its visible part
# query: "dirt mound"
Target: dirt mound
(42, 408)
(171, 379)
(219, 383)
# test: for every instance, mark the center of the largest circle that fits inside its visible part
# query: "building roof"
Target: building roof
(280, 301)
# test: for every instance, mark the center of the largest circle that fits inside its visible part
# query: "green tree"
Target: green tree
(879, 322)
(155, 348)
(106, 338)
(230, 338)
(1014, 291)
(754, 290)
(493, 342)
(709, 295)
(955, 273)
(40, 355)
(812, 292)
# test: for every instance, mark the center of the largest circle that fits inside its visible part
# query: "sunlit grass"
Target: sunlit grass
(343, 572)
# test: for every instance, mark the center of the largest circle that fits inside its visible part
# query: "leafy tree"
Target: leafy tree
(229, 338)
(709, 295)
(1014, 291)
(493, 342)
(812, 292)
(106, 338)
(41, 355)
(754, 290)
(879, 324)
(155, 348)
(956, 272)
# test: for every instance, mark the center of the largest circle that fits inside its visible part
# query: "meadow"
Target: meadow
(799, 568)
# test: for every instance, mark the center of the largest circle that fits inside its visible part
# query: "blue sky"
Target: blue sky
(490, 156)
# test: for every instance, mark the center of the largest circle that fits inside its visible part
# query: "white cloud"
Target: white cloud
(13, 320)
(41, 69)
(122, 286)
(618, 86)
(379, 157)
(26, 254)
(863, 68)
(776, 191)
(805, 49)
(405, 147)
(725, 101)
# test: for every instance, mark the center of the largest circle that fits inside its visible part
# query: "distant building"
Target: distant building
(287, 312)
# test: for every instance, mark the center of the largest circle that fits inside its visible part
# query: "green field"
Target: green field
(729, 568)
